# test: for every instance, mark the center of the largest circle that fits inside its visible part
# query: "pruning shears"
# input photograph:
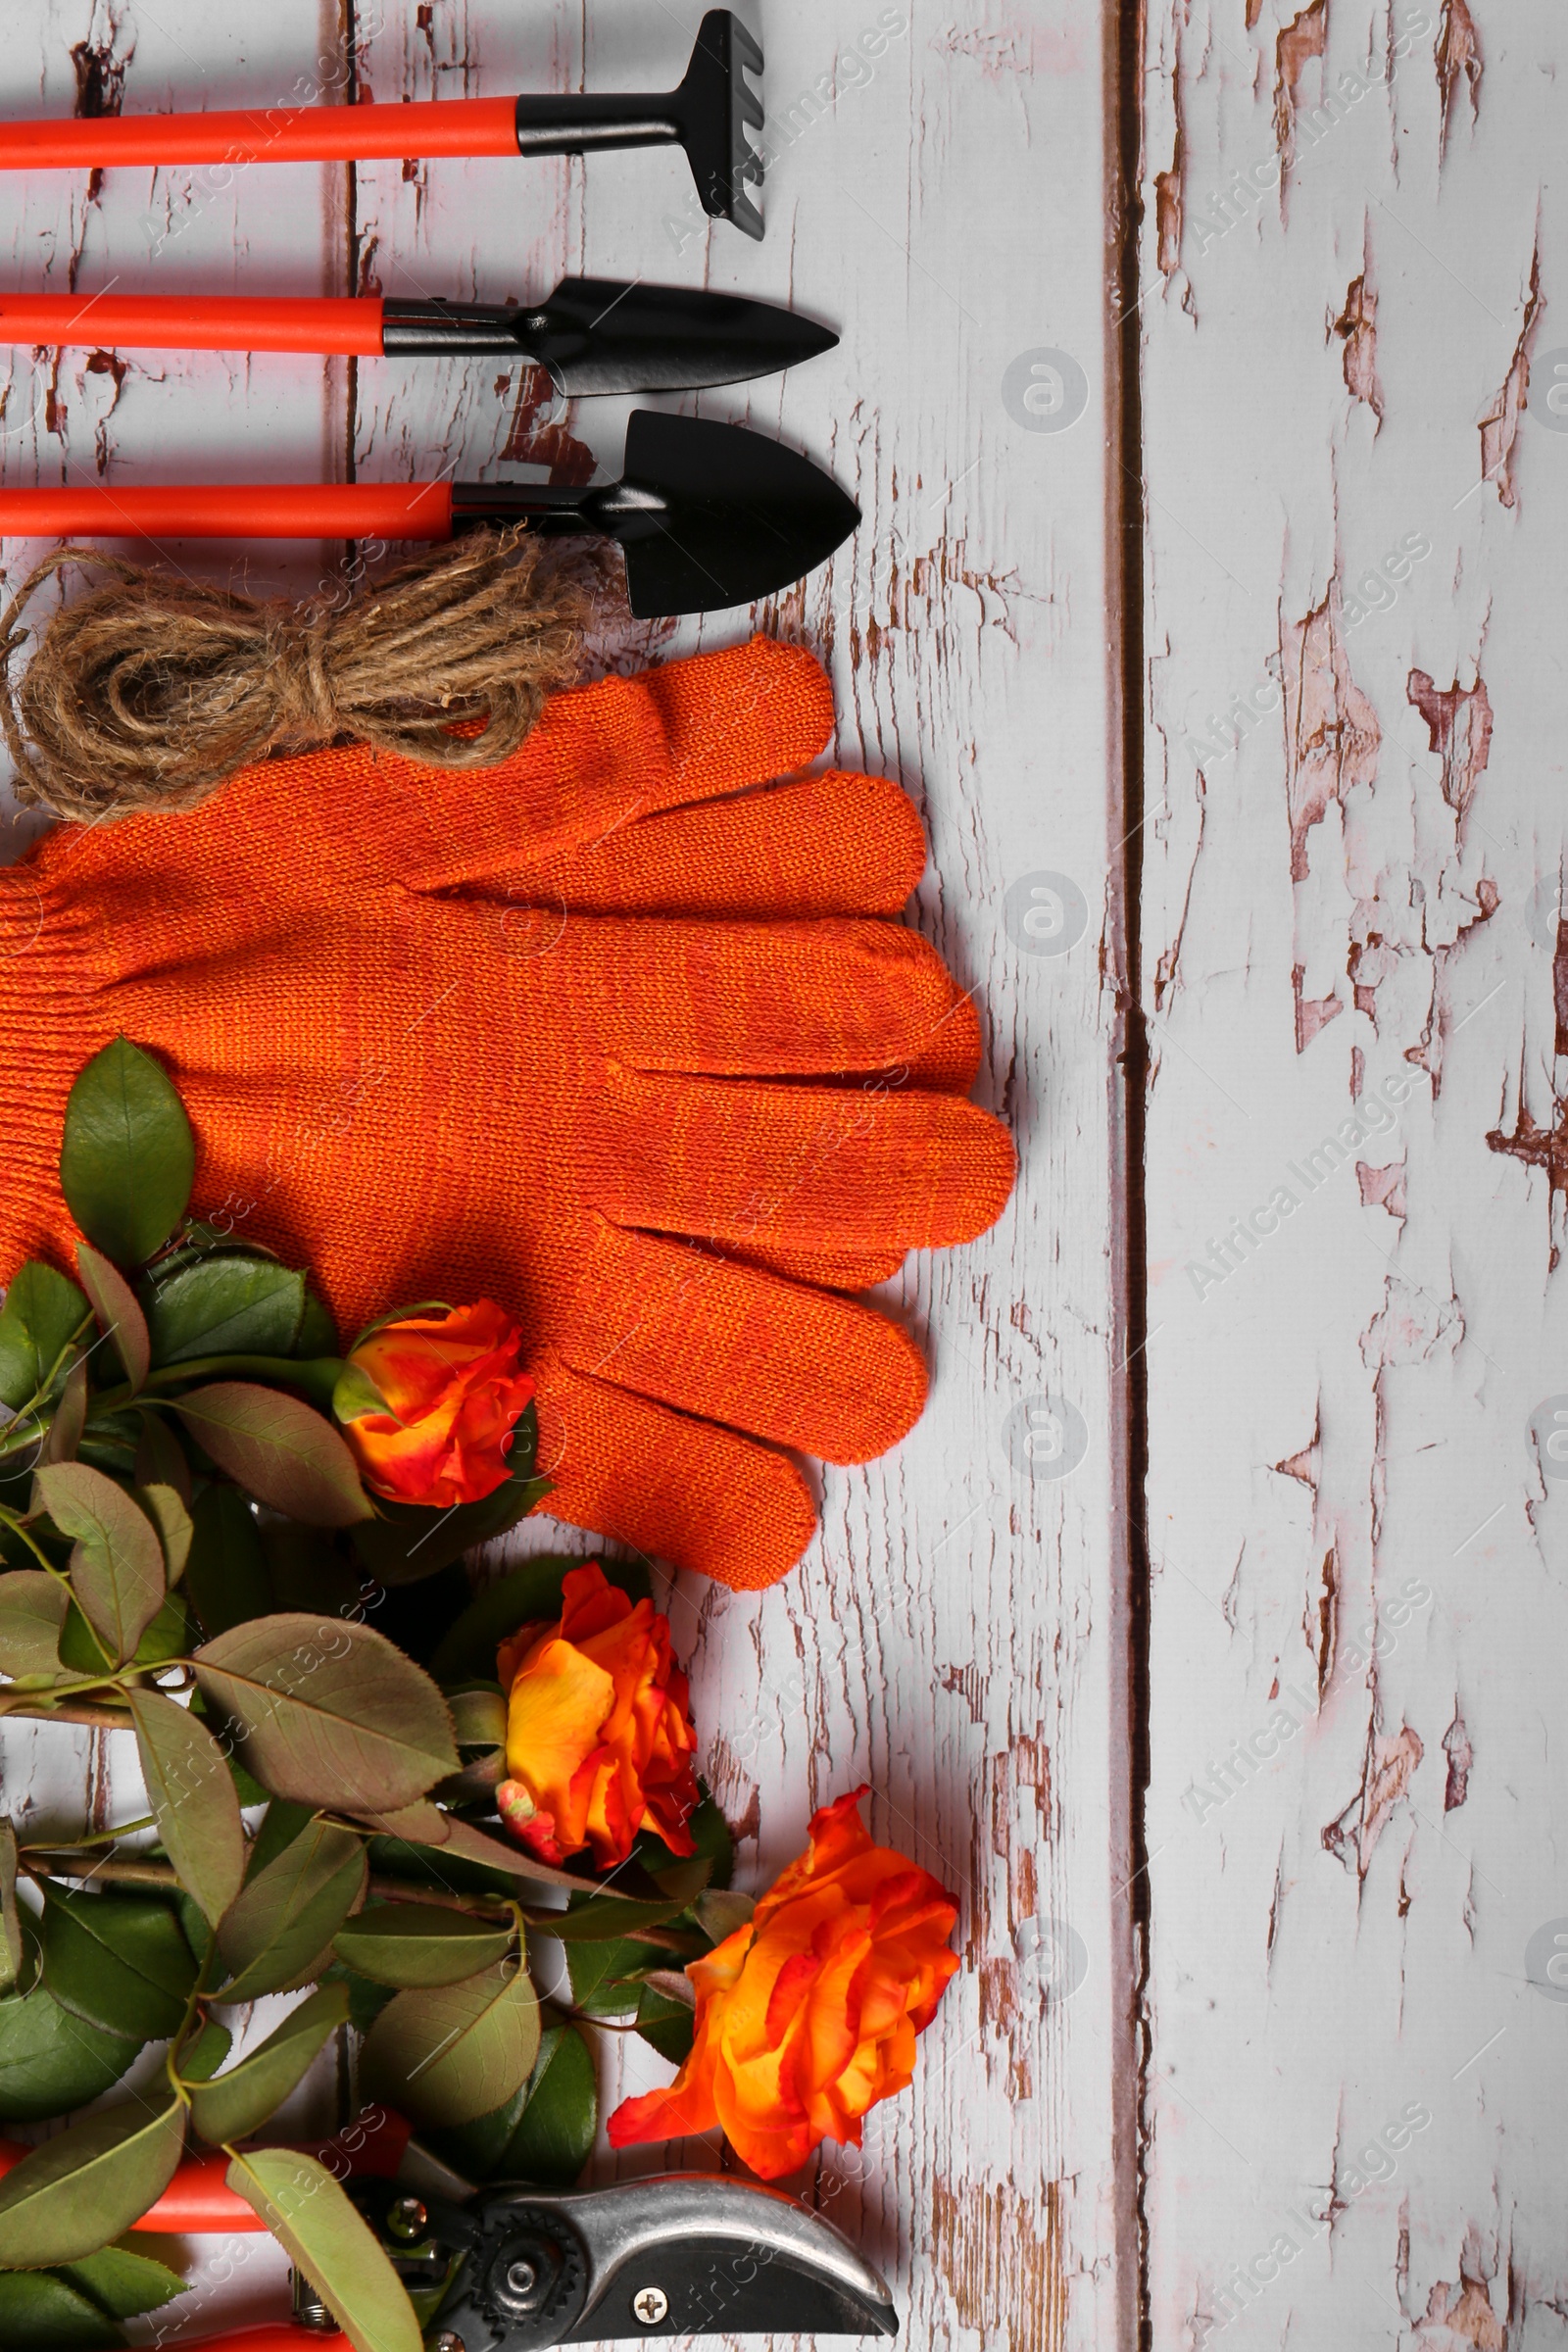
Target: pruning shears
(512, 2269)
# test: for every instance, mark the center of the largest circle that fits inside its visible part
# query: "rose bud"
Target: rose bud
(806, 2016)
(599, 1740)
(454, 1387)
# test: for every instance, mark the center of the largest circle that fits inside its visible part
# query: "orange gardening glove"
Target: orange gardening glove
(584, 1033)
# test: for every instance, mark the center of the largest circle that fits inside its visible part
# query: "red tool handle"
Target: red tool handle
(231, 510)
(194, 322)
(276, 134)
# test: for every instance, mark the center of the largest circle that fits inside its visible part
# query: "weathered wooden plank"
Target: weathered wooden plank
(1351, 909)
(951, 1638)
(957, 1636)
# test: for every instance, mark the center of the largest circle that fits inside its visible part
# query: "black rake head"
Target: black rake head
(716, 105)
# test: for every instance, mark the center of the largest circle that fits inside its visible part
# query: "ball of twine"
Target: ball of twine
(150, 691)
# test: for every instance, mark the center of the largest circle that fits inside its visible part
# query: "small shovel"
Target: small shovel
(707, 115)
(594, 335)
(707, 515)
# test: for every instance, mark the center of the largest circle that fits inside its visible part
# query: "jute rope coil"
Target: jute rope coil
(150, 691)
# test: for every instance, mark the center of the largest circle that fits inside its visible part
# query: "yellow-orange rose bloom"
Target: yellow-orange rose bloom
(456, 1385)
(599, 1741)
(806, 2016)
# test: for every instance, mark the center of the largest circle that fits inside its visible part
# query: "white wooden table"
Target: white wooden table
(1344, 625)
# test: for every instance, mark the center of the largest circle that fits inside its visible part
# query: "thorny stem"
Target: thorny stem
(193, 2011)
(542, 1923)
(100, 1719)
(277, 1370)
(80, 1845)
(22, 1411)
(109, 1873)
(17, 1528)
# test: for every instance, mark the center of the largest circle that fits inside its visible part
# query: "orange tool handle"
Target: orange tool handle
(274, 135)
(275, 2337)
(231, 510)
(195, 322)
(199, 2202)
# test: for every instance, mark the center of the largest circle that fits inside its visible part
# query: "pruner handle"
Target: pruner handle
(199, 2202)
(274, 2335)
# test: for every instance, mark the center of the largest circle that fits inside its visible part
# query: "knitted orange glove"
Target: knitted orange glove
(646, 1062)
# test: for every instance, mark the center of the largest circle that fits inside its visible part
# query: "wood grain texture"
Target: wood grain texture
(957, 1638)
(1356, 488)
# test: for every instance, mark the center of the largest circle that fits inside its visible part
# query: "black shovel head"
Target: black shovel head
(730, 516)
(600, 335)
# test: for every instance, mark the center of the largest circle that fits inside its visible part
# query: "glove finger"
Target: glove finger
(730, 1343)
(769, 1167)
(779, 999)
(742, 716)
(672, 1488)
(828, 1269)
(833, 844)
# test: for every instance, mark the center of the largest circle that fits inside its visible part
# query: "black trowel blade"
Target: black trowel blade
(731, 516)
(602, 335)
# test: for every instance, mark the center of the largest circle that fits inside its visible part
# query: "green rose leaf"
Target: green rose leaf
(119, 1961)
(232, 2106)
(279, 1929)
(318, 1332)
(161, 1457)
(225, 1575)
(43, 1316)
(128, 1155)
(606, 1977)
(45, 2313)
(51, 2062)
(225, 1306)
(167, 1637)
(331, 1714)
(192, 1797)
(309, 1573)
(480, 1715)
(719, 1912)
(32, 1616)
(427, 1826)
(327, 2240)
(480, 1719)
(65, 1433)
(201, 2058)
(555, 2133)
(119, 1318)
(280, 1825)
(667, 2023)
(602, 1917)
(125, 2282)
(419, 1943)
(117, 1561)
(544, 2132)
(166, 1508)
(354, 1395)
(447, 2054)
(279, 1450)
(82, 2190)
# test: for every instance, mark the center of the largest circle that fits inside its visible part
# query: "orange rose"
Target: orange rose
(807, 2017)
(599, 1741)
(454, 1388)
